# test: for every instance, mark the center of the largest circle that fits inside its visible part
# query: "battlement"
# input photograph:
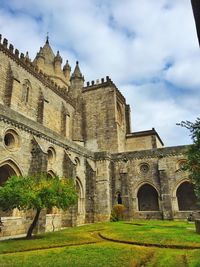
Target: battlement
(103, 82)
(27, 64)
(99, 82)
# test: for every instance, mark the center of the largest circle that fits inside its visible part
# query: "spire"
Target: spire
(77, 73)
(47, 38)
(58, 58)
(40, 55)
(46, 52)
(67, 66)
(67, 70)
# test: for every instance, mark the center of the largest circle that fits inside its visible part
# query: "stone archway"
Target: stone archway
(80, 204)
(147, 198)
(7, 169)
(186, 197)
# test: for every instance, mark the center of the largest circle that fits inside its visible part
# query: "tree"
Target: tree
(37, 192)
(193, 153)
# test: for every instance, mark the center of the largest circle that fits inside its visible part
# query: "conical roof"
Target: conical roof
(47, 52)
(58, 57)
(77, 73)
(67, 66)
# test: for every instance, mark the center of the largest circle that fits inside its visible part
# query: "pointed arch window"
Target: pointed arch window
(65, 121)
(26, 91)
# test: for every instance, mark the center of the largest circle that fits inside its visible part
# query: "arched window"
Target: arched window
(65, 116)
(186, 197)
(147, 198)
(51, 154)
(119, 198)
(26, 91)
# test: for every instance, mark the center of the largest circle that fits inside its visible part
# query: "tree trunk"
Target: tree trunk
(197, 225)
(33, 224)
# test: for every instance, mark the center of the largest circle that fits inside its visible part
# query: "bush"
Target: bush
(117, 213)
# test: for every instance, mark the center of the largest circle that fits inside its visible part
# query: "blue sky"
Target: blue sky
(148, 47)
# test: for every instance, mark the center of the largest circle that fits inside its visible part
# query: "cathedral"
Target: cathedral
(52, 121)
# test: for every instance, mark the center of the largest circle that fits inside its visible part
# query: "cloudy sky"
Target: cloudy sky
(148, 47)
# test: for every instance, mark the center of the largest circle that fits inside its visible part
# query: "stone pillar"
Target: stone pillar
(102, 197)
(126, 194)
(90, 193)
(165, 197)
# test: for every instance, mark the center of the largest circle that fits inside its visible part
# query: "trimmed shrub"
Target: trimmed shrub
(117, 213)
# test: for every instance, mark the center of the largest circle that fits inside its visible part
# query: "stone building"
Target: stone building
(50, 121)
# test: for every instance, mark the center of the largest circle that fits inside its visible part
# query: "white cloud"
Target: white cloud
(133, 41)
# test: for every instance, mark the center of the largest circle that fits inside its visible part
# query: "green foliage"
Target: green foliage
(37, 192)
(193, 153)
(117, 213)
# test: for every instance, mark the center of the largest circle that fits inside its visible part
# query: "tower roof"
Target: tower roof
(67, 66)
(77, 73)
(47, 52)
(58, 57)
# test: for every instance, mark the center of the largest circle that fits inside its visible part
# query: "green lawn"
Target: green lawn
(82, 247)
(155, 232)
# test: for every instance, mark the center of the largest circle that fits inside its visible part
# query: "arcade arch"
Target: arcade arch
(186, 197)
(147, 198)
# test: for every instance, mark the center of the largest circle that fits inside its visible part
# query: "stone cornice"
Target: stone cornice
(151, 153)
(24, 62)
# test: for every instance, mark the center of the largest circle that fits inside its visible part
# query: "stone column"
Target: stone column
(165, 196)
(102, 194)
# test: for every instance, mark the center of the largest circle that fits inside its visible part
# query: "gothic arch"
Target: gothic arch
(65, 116)
(177, 184)
(118, 197)
(26, 91)
(80, 192)
(7, 169)
(147, 196)
(186, 199)
(141, 183)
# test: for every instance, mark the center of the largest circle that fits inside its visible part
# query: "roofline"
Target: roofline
(145, 133)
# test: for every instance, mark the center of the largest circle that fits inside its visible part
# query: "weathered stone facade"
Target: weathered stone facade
(51, 122)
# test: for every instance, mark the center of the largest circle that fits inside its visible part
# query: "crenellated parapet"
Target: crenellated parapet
(28, 65)
(102, 83)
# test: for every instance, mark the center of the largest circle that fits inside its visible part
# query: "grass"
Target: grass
(82, 247)
(155, 232)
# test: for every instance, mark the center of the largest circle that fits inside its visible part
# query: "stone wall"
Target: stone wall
(21, 90)
(104, 117)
